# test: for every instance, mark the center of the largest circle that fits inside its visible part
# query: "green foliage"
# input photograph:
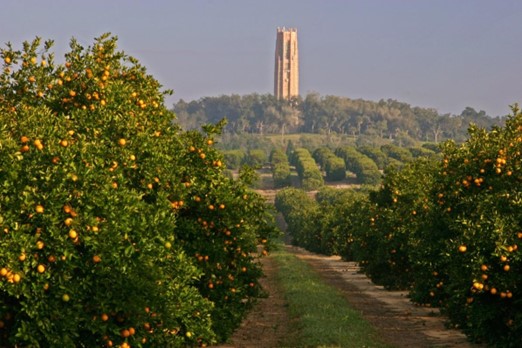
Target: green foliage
(331, 116)
(114, 220)
(255, 158)
(447, 229)
(383, 244)
(340, 212)
(280, 168)
(375, 153)
(477, 215)
(333, 166)
(300, 212)
(244, 141)
(233, 158)
(401, 154)
(335, 169)
(362, 166)
(432, 146)
(307, 170)
(321, 154)
(421, 152)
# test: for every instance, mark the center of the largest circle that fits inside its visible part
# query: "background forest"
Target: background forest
(331, 115)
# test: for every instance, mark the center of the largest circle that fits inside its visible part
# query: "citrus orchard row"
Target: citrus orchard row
(117, 228)
(449, 230)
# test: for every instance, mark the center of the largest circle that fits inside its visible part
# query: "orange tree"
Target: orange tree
(450, 230)
(221, 224)
(102, 227)
(381, 237)
(302, 215)
(340, 212)
(473, 243)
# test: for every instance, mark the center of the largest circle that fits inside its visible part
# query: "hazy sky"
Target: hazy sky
(445, 54)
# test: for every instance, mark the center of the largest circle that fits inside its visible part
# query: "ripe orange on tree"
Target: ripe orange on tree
(73, 234)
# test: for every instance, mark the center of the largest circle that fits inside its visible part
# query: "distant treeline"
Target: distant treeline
(390, 119)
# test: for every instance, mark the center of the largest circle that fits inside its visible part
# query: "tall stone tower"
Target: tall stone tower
(286, 73)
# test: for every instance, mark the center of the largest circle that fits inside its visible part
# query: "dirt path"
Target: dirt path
(399, 322)
(268, 325)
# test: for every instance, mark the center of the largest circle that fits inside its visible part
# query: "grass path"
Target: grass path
(324, 318)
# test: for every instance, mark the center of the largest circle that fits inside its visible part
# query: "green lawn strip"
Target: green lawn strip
(324, 317)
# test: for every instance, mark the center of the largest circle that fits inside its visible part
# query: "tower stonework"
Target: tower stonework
(286, 72)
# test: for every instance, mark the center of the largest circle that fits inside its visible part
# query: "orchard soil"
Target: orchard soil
(398, 321)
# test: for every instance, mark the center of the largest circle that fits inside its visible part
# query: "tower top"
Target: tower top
(284, 29)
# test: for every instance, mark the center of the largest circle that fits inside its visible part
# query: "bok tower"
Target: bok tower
(286, 72)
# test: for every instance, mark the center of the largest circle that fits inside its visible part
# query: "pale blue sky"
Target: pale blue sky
(445, 54)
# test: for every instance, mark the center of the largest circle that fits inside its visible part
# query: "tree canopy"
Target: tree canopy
(390, 119)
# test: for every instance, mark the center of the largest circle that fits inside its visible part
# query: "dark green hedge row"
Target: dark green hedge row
(333, 166)
(233, 158)
(255, 158)
(376, 154)
(401, 154)
(362, 166)
(236, 158)
(421, 152)
(396, 156)
(295, 203)
(307, 170)
(280, 168)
